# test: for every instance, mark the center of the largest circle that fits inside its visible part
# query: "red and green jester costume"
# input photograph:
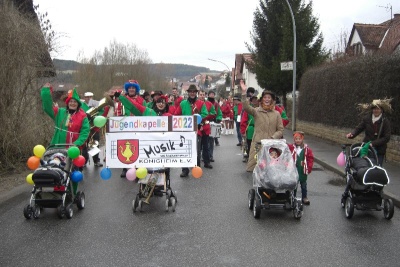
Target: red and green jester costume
(69, 128)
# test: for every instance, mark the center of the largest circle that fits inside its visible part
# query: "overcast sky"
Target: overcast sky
(187, 31)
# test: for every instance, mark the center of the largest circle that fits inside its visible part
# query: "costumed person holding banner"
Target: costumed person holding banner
(132, 91)
(267, 121)
(190, 106)
(71, 125)
(375, 125)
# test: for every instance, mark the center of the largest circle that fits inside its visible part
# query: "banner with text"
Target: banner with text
(151, 149)
(152, 124)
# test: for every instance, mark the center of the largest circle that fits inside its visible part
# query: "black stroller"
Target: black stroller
(274, 180)
(52, 185)
(365, 182)
(156, 183)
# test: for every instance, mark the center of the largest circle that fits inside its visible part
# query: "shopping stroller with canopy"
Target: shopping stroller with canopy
(274, 180)
(52, 185)
(365, 182)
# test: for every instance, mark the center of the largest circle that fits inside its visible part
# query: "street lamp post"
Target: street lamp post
(227, 68)
(294, 70)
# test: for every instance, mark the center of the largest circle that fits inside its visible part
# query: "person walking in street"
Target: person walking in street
(267, 121)
(177, 98)
(247, 126)
(226, 110)
(218, 118)
(205, 138)
(375, 126)
(190, 106)
(304, 160)
(71, 125)
(132, 90)
(237, 114)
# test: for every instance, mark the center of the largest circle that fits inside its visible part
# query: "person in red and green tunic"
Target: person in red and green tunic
(71, 125)
(218, 119)
(190, 106)
(247, 126)
(205, 138)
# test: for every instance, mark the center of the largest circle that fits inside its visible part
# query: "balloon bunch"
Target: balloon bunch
(34, 161)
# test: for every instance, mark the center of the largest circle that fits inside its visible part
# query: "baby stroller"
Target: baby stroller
(156, 183)
(274, 180)
(365, 182)
(52, 185)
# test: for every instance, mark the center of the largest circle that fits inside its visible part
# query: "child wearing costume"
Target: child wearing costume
(304, 160)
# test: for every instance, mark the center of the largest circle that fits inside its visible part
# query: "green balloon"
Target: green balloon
(73, 152)
(99, 121)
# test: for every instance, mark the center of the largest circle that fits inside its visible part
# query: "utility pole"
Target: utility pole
(294, 70)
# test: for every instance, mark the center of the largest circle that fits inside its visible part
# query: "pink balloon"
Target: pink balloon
(341, 160)
(131, 174)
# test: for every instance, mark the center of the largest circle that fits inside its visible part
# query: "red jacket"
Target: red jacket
(308, 157)
(227, 111)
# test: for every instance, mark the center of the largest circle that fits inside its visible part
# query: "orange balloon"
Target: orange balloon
(197, 172)
(33, 162)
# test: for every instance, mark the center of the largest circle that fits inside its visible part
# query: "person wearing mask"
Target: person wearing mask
(267, 121)
(190, 106)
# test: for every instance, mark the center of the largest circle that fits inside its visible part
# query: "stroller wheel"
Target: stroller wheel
(140, 205)
(251, 196)
(60, 211)
(167, 203)
(349, 208)
(80, 200)
(298, 209)
(173, 203)
(28, 212)
(135, 203)
(69, 212)
(388, 209)
(36, 211)
(257, 208)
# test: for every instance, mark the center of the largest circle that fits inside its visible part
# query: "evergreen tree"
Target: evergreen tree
(272, 39)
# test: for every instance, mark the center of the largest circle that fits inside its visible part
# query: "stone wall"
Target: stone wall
(338, 135)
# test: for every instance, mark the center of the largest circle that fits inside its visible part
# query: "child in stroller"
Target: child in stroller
(52, 185)
(157, 183)
(275, 178)
(365, 181)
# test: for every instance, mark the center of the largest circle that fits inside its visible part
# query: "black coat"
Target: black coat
(372, 130)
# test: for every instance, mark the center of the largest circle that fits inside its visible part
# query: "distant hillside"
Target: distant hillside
(179, 71)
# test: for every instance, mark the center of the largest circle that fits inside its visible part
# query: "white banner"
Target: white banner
(151, 149)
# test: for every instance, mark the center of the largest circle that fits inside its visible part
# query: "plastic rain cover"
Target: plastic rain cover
(275, 173)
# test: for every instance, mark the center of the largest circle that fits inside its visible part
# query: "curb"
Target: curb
(396, 200)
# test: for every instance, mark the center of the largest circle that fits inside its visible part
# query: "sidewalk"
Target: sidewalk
(326, 152)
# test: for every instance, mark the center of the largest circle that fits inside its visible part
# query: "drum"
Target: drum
(215, 129)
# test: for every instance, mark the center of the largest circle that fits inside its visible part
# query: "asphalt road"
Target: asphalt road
(212, 226)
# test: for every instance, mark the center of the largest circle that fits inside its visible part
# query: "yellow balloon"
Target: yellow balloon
(141, 172)
(29, 179)
(39, 150)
